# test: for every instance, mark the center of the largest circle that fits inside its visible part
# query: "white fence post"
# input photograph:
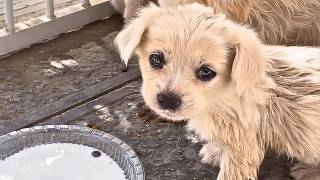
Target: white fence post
(50, 9)
(85, 3)
(8, 16)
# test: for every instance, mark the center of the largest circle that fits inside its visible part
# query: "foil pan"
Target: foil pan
(119, 151)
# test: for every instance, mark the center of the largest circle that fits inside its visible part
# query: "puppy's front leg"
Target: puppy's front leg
(240, 165)
(211, 153)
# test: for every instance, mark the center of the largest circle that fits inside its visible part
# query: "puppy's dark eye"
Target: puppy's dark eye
(156, 60)
(205, 73)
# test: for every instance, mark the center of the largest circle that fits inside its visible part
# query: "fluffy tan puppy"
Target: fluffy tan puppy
(240, 96)
(290, 22)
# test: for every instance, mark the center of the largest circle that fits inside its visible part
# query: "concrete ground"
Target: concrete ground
(50, 72)
(47, 72)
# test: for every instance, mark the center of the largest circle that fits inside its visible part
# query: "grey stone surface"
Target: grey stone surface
(45, 73)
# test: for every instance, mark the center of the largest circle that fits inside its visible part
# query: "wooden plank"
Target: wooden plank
(71, 101)
(108, 99)
(42, 28)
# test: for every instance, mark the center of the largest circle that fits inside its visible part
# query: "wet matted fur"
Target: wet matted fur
(262, 96)
(290, 22)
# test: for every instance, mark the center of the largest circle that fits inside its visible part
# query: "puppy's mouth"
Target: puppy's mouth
(174, 116)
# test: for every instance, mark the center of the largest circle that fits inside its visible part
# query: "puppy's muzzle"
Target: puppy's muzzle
(168, 100)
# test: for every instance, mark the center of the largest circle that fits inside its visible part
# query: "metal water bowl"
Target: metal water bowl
(119, 151)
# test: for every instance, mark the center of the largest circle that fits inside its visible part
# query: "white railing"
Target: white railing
(8, 16)
(21, 35)
(85, 3)
(50, 9)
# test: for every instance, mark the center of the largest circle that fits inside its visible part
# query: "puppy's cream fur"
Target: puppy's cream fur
(262, 97)
(290, 22)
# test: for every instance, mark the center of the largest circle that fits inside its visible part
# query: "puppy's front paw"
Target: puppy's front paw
(302, 171)
(211, 153)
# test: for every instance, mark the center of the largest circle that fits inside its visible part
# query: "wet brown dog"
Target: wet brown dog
(240, 96)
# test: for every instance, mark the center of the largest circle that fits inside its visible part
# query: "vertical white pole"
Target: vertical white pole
(85, 3)
(8, 16)
(50, 9)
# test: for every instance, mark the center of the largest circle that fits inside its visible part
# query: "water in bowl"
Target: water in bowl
(60, 161)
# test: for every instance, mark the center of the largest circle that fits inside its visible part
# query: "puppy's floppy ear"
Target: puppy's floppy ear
(248, 67)
(130, 37)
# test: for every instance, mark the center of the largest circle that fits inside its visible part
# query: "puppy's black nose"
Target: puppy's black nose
(169, 100)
